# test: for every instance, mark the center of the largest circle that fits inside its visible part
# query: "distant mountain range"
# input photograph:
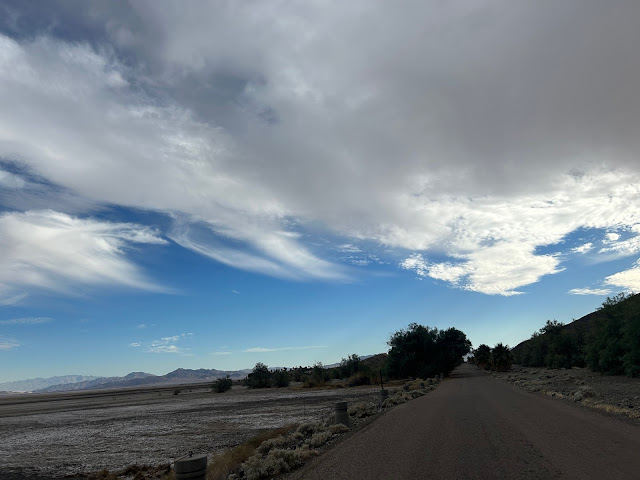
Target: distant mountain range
(39, 383)
(70, 383)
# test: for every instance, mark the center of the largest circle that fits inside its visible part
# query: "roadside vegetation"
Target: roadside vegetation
(498, 358)
(280, 451)
(608, 343)
(416, 351)
(222, 385)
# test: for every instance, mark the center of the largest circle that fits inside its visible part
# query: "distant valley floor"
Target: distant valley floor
(54, 435)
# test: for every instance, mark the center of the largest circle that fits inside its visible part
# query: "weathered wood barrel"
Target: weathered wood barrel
(192, 468)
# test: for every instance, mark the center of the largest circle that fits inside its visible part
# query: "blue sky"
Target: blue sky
(212, 185)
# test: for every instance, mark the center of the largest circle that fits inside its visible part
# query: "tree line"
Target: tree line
(609, 343)
(416, 351)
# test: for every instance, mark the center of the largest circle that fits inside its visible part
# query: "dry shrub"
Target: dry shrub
(308, 429)
(360, 378)
(320, 438)
(222, 465)
(362, 409)
(338, 428)
(277, 461)
(607, 407)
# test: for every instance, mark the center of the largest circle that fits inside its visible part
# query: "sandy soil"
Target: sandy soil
(616, 395)
(50, 436)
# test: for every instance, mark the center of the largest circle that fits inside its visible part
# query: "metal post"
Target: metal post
(191, 468)
(341, 414)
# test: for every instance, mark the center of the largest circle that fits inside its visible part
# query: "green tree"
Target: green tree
(222, 384)
(614, 344)
(349, 366)
(482, 356)
(260, 377)
(281, 378)
(501, 358)
(453, 345)
(419, 351)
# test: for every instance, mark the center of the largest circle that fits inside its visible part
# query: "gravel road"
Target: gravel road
(476, 427)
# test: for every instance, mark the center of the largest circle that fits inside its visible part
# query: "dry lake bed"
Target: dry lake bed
(56, 435)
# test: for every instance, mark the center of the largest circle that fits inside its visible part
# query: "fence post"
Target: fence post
(192, 468)
(384, 394)
(341, 414)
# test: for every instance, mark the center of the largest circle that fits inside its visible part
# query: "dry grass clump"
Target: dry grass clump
(362, 409)
(416, 389)
(607, 407)
(275, 462)
(338, 428)
(319, 439)
(285, 452)
(222, 465)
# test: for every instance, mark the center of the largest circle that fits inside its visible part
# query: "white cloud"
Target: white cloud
(54, 251)
(589, 291)
(611, 237)
(221, 353)
(26, 321)
(417, 263)
(11, 181)
(8, 343)
(629, 279)
(280, 349)
(624, 248)
(425, 151)
(135, 344)
(348, 248)
(583, 248)
(495, 270)
(168, 344)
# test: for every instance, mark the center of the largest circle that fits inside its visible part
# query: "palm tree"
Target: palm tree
(501, 358)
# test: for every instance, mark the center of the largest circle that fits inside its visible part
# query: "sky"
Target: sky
(213, 184)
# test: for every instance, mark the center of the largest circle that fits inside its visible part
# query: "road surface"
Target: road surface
(476, 427)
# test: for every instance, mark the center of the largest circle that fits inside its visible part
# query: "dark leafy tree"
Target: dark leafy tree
(501, 358)
(419, 351)
(259, 377)
(222, 384)
(614, 346)
(281, 378)
(482, 355)
(349, 366)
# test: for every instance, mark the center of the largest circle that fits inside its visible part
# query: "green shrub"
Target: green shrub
(501, 358)
(222, 385)
(280, 378)
(360, 378)
(260, 377)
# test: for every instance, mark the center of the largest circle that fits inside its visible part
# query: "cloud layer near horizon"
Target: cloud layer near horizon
(478, 133)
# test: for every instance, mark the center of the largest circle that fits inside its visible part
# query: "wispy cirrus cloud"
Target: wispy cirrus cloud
(8, 343)
(164, 344)
(48, 250)
(26, 321)
(281, 349)
(589, 291)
